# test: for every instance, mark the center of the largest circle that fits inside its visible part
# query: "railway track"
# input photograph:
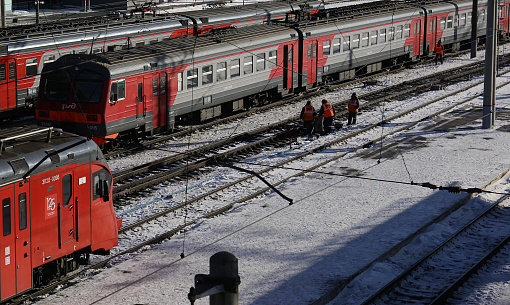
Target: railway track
(433, 278)
(208, 211)
(133, 180)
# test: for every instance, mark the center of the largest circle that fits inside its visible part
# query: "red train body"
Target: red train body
(56, 207)
(151, 88)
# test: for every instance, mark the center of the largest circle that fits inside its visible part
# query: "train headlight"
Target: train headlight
(92, 117)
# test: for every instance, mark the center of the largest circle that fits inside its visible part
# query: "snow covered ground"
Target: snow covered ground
(336, 226)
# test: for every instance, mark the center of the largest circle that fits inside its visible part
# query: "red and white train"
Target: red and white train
(56, 195)
(151, 88)
(24, 50)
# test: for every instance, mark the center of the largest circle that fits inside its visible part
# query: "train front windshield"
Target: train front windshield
(55, 86)
(86, 87)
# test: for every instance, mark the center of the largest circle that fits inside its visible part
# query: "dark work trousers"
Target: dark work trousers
(328, 123)
(308, 125)
(439, 57)
(351, 119)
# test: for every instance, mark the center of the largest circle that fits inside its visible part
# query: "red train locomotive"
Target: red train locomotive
(56, 207)
(151, 88)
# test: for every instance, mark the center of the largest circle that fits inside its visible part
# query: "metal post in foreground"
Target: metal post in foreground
(222, 284)
(489, 94)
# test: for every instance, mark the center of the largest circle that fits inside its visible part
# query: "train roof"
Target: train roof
(94, 30)
(261, 10)
(25, 152)
(173, 53)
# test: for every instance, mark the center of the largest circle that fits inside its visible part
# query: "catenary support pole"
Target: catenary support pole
(489, 95)
(474, 28)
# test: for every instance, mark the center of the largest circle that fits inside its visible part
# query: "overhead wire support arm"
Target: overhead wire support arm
(291, 201)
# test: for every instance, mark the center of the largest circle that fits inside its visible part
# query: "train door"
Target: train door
(432, 34)
(417, 39)
(67, 209)
(7, 84)
(311, 62)
(22, 228)
(141, 99)
(288, 66)
(162, 99)
(7, 244)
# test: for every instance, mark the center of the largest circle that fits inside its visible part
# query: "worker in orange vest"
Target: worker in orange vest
(328, 112)
(439, 51)
(308, 116)
(352, 107)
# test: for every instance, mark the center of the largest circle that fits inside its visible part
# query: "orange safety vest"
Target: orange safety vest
(308, 113)
(352, 106)
(328, 110)
(439, 49)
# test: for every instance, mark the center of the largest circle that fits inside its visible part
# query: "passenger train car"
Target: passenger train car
(151, 88)
(56, 195)
(24, 50)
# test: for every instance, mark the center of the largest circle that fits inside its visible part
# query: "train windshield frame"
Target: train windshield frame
(88, 87)
(56, 86)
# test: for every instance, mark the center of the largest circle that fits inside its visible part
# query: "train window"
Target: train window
(347, 43)
(391, 34)
(326, 47)
(207, 75)
(463, 19)
(48, 58)
(12, 70)
(336, 45)
(442, 23)
(407, 30)
(456, 21)
(82, 52)
(481, 16)
(449, 22)
(291, 53)
(417, 28)
(399, 32)
(6, 215)
(153, 41)
(179, 81)
(192, 78)
(140, 93)
(140, 43)
(382, 35)
(221, 71)
(248, 64)
(261, 62)
(314, 50)
(373, 37)
(3, 73)
(234, 68)
(162, 85)
(101, 182)
(31, 67)
(67, 189)
(273, 59)
(96, 51)
(118, 91)
(88, 87)
(310, 51)
(433, 23)
(22, 205)
(469, 16)
(364, 39)
(55, 86)
(155, 87)
(355, 41)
